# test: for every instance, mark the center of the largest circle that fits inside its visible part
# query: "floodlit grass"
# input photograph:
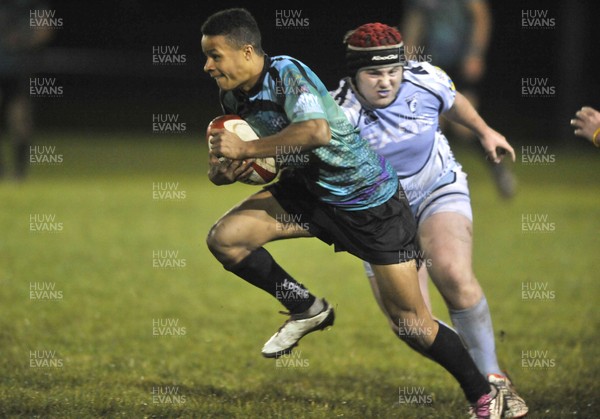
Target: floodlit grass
(107, 332)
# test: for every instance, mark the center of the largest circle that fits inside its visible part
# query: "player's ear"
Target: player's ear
(248, 51)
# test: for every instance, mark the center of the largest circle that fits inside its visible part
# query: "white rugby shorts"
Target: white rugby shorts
(441, 186)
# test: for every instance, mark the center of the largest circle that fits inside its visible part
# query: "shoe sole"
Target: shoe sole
(329, 320)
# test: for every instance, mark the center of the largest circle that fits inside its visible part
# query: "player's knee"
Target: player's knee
(459, 285)
(454, 275)
(211, 240)
(219, 242)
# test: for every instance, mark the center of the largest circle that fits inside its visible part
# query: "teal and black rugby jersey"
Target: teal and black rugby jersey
(345, 173)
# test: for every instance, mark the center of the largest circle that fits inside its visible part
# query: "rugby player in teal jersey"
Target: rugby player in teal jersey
(342, 193)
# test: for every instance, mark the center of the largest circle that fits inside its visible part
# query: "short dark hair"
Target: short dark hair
(237, 25)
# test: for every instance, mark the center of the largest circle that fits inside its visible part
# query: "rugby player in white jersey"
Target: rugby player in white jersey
(396, 105)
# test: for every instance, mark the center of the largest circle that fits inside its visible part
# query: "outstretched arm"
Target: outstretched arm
(494, 143)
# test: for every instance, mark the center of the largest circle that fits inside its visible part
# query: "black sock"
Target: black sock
(260, 269)
(448, 351)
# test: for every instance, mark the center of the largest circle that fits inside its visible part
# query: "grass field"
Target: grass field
(122, 312)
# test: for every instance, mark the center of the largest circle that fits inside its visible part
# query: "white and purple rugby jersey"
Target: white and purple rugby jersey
(404, 131)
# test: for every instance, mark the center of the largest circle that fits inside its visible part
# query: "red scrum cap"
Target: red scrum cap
(373, 45)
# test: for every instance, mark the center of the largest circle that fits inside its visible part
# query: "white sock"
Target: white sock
(474, 325)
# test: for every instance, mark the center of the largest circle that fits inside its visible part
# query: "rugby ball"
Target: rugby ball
(264, 169)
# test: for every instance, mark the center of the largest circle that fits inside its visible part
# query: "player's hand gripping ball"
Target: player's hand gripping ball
(264, 170)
